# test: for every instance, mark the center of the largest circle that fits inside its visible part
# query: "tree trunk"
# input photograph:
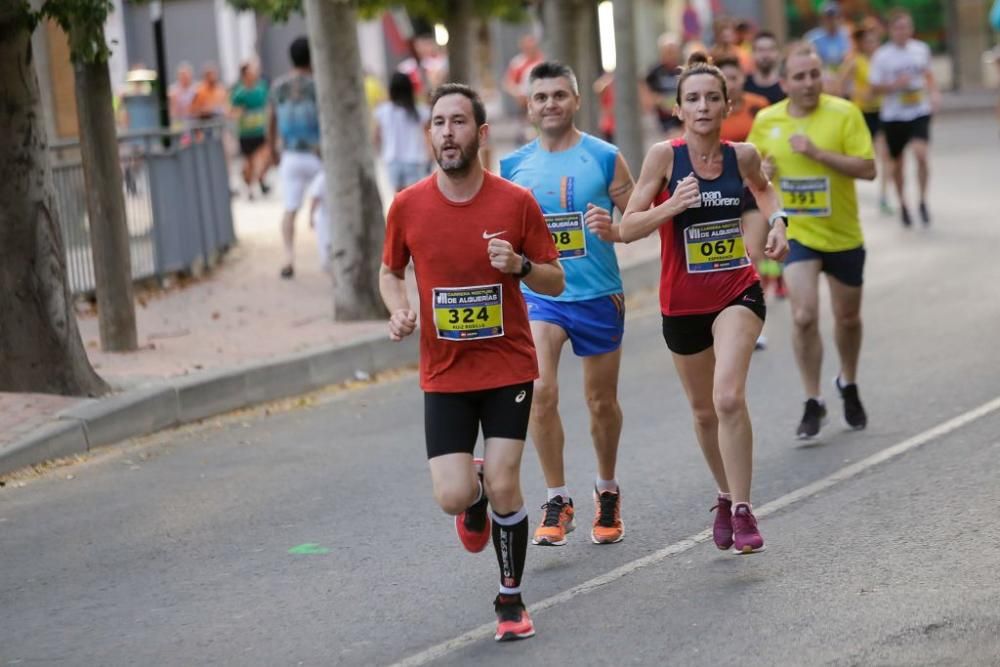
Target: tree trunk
(356, 218)
(40, 346)
(571, 37)
(109, 237)
(459, 22)
(628, 128)
(587, 64)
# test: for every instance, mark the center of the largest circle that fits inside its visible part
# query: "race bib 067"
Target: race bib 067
(715, 246)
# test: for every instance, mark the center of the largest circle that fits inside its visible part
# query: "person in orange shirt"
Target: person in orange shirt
(744, 106)
(211, 99)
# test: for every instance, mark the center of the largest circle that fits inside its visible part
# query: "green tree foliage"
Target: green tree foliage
(82, 20)
(434, 10)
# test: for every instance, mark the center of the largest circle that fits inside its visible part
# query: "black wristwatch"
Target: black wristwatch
(525, 267)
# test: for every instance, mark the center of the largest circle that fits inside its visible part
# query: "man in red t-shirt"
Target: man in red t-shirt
(473, 237)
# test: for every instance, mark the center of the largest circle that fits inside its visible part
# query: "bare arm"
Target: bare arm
(845, 73)
(622, 184)
(392, 287)
(599, 220)
(848, 165)
(639, 220)
(545, 278)
(751, 169)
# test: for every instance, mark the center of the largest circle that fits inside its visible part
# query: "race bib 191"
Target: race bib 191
(806, 196)
(715, 246)
(567, 233)
(468, 313)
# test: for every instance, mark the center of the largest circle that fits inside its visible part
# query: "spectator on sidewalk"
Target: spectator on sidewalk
(319, 220)
(249, 103)
(763, 79)
(427, 67)
(661, 82)
(516, 77)
(832, 41)
(294, 141)
(401, 134)
(211, 100)
(181, 93)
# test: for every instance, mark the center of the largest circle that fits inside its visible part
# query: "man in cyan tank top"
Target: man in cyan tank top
(576, 179)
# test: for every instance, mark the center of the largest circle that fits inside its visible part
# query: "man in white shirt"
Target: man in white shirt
(901, 71)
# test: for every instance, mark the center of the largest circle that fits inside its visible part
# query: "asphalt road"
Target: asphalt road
(305, 533)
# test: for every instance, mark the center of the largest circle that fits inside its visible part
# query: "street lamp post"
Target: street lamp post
(156, 14)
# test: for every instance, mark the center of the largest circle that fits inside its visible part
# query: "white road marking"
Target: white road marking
(844, 474)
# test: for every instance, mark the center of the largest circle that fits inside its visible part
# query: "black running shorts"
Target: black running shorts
(691, 334)
(900, 133)
(452, 420)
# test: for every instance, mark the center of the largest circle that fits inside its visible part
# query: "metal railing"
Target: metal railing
(177, 203)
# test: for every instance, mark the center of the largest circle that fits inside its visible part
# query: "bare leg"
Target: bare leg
(923, 170)
(455, 482)
(600, 382)
(802, 279)
(288, 236)
(545, 425)
(697, 376)
(846, 302)
(735, 331)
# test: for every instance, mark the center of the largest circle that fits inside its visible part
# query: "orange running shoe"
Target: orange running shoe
(473, 525)
(556, 523)
(513, 621)
(608, 526)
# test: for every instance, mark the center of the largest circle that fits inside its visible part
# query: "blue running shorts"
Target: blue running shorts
(594, 326)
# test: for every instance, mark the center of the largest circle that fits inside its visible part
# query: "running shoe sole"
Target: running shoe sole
(806, 438)
(510, 636)
(543, 542)
(749, 550)
(843, 419)
(593, 538)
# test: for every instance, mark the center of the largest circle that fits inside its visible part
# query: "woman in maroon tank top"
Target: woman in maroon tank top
(710, 296)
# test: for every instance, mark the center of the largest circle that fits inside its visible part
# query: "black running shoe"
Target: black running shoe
(905, 216)
(287, 272)
(925, 215)
(854, 412)
(812, 419)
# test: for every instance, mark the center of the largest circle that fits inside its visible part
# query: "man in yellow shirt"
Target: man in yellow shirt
(815, 146)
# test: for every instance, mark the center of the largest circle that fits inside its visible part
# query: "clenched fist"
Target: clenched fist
(402, 323)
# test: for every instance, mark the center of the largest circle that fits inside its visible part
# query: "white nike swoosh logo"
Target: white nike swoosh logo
(490, 236)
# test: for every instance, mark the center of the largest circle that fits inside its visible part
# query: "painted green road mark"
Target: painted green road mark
(308, 549)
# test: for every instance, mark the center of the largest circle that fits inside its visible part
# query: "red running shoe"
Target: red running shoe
(473, 525)
(513, 621)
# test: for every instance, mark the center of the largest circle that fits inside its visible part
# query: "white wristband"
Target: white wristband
(777, 214)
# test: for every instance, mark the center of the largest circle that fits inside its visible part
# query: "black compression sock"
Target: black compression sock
(510, 540)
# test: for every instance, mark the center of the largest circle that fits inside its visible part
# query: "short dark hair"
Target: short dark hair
(553, 69)
(478, 109)
(298, 51)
